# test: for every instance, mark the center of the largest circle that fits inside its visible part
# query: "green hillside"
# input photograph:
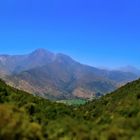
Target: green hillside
(115, 116)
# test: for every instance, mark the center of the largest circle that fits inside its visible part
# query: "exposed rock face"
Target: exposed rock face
(59, 76)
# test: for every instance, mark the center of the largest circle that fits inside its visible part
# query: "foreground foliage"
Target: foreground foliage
(115, 116)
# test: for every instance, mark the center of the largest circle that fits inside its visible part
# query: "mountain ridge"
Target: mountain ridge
(48, 74)
(131, 69)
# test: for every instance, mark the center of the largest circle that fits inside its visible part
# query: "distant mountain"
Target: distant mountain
(59, 76)
(17, 63)
(130, 69)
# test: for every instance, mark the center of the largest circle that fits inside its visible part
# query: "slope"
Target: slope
(57, 76)
(115, 116)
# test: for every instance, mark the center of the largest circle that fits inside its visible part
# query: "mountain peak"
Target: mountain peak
(41, 52)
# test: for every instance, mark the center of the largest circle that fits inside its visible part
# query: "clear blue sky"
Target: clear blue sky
(96, 32)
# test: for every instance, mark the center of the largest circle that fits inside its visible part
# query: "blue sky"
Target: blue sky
(95, 32)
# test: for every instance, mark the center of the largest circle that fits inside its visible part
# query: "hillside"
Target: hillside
(115, 116)
(58, 76)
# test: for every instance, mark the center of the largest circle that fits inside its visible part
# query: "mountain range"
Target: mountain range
(58, 76)
(131, 69)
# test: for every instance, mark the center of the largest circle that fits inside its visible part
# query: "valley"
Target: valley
(69, 70)
(113, 116)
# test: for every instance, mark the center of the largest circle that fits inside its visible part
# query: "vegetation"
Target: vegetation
(115, 116)
(74, 102)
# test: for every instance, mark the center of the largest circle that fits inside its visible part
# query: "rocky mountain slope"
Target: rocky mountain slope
(59, 76)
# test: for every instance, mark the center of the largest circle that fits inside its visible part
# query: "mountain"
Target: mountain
(58, 76)
(115, 116)
(130, 69)
(18, 63)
